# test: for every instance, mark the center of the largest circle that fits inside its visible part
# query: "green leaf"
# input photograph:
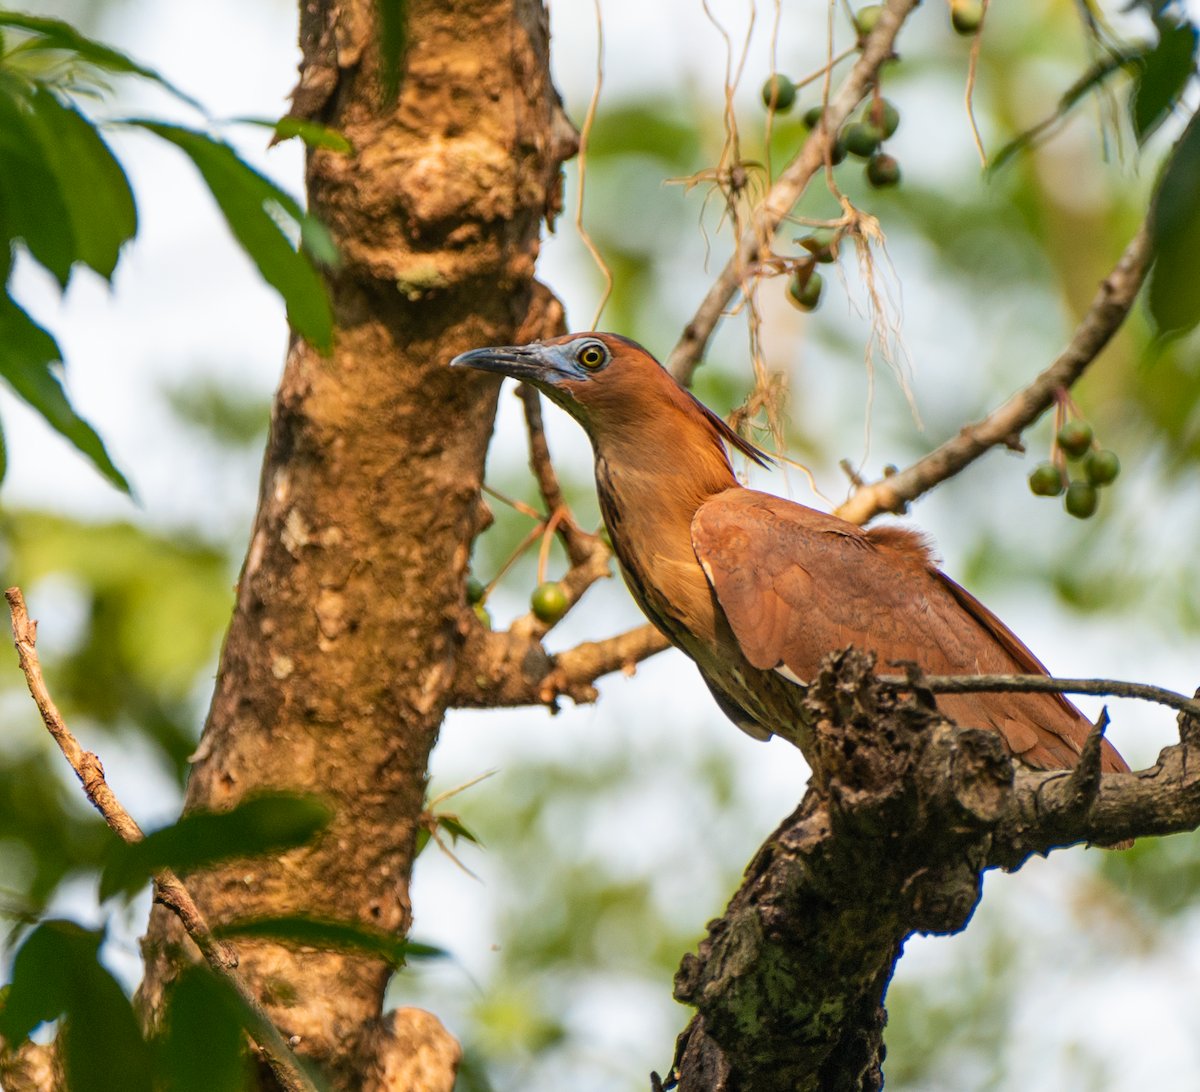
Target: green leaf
(60, 35)
(423, 837)
(92, 184)
(322, 933)
(31, 204)
(203, 1049)
(268, 823)
(244, 196)
(26, 353)
(57, 972)
(1166, 71)
(1174, 293)
(313, 133)
(1126, 59)
(393, 41)
(452, 826)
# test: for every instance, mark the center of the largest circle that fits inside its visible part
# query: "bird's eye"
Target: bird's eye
(592, 355)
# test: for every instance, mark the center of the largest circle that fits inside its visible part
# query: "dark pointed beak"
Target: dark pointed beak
(520, 361)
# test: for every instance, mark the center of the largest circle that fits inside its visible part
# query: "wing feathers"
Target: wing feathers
(796, 584)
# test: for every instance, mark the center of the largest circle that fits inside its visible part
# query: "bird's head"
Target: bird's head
(610, 385)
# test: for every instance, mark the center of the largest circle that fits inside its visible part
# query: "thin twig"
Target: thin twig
(576, 540)
(512, 502)
(972, 68)
(169, 891)
(1005, 425)
(1043, 684)
(786, 191)
(581, 155)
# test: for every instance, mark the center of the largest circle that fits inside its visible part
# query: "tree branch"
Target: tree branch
(1005, 425)
(169, 890)
(508, 669)
(904, 813)
(787, 189)
(1043, 684)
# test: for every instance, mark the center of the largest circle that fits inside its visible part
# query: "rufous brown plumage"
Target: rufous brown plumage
(757, 589)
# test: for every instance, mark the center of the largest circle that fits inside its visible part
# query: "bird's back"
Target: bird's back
(796, 584)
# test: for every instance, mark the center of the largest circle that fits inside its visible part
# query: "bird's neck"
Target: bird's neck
(656, 475)
(650, 483)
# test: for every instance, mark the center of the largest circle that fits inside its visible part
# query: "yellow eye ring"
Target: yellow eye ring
(592, 356)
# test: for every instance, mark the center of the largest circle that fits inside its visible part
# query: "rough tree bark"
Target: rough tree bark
(350, 608)
(904, 813)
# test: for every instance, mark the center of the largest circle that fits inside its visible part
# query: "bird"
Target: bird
(757, 589)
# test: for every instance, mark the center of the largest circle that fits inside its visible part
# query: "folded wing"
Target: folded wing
(796, 584)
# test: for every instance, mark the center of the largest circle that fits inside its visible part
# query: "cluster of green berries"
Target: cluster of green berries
(549, 601)
(1100, 467)
(862, 138)
(807, 285)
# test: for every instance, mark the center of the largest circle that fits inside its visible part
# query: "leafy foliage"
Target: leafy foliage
(246, 198)
(263, 824)
(67, 199)
(392, 18)
(57, 973)
(1175, 227)
(344, 935)
(1165, 72)
(202, 1048)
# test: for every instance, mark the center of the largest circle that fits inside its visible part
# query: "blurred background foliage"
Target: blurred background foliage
(602, 866)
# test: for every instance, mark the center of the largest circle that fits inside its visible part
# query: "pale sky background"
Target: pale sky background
(187, 302)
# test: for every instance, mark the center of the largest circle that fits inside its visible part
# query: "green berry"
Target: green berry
(475, 590)
(866, 18)
(862, 138)
(806, 294)
(1081, 499)
(781, 90)
(883, 171)
(1101, 467)
(481, 612)
(966, 16)
(838, 152)
(820, 244)
(883, 115)
(1046, 480)
(1075, 437)
(549, 602)
(813, 115)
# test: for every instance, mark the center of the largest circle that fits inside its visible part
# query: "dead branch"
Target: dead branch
(786, 191)
(169, 890)
(1005, 425)
(904, 813)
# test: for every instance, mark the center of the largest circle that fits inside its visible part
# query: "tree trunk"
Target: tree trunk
(350, 608)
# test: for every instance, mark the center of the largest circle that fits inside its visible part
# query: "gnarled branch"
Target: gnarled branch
(1005, 425)
(904, 813)
(168, 889)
